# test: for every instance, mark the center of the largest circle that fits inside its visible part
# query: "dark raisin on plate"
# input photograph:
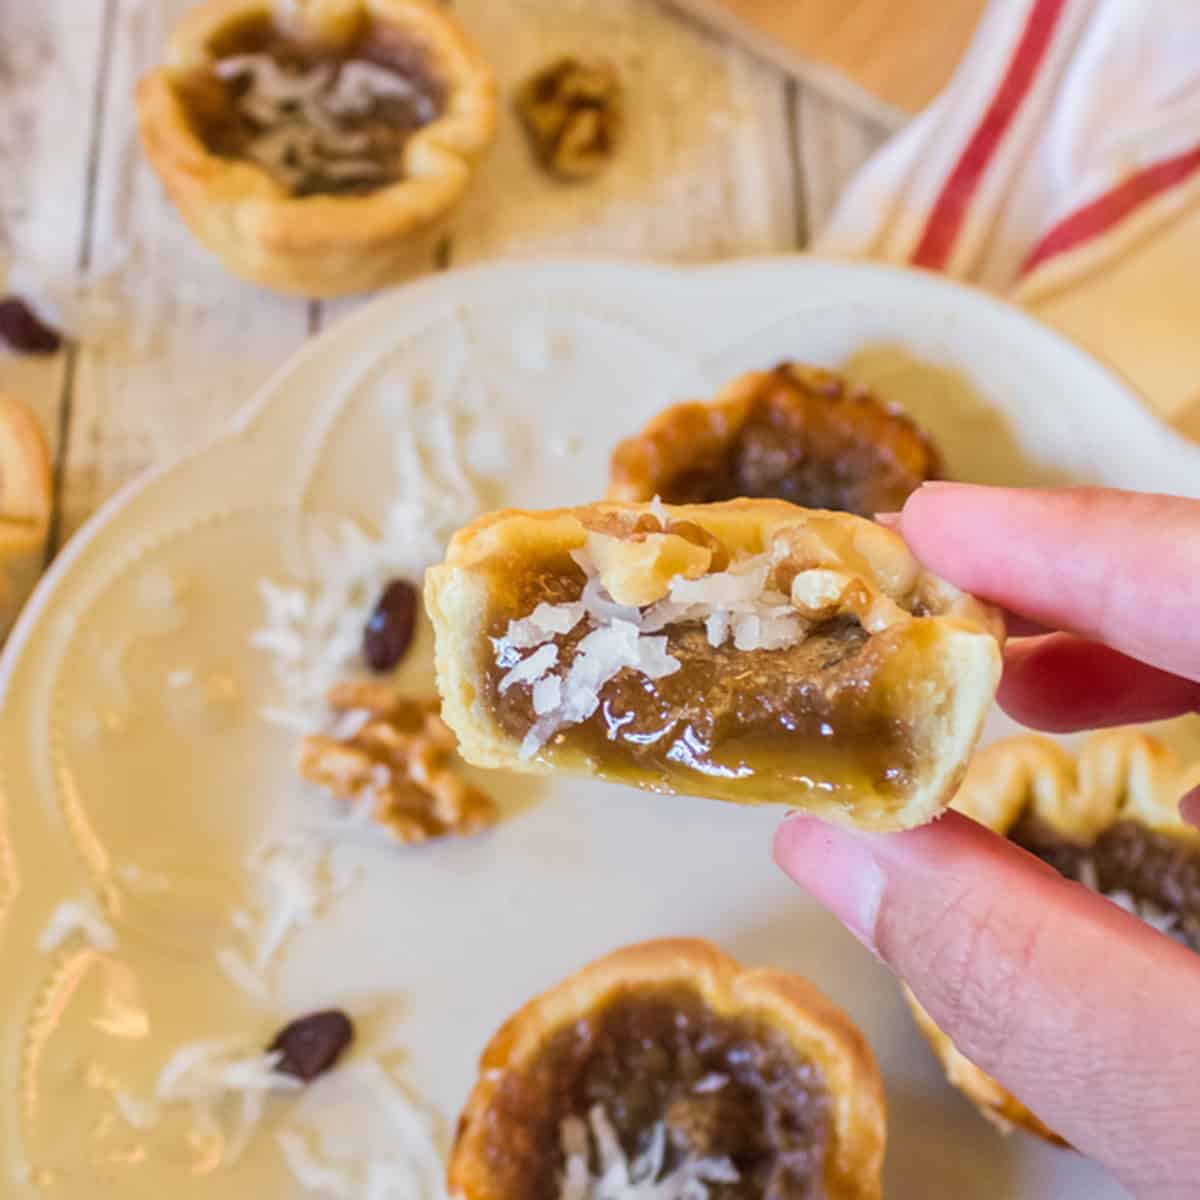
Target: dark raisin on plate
(24, 331)
(389, 630)
(312, 1045)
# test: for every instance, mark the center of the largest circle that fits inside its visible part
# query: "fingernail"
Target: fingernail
(888, 520)
(1189, 807)
(837, 869)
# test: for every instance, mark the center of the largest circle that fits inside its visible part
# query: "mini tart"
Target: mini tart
(341, 239)
(1108, 819)
(750, 651)
(748, 1081)
(796, 433)
(25, 501)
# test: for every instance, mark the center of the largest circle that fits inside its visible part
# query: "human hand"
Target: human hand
(1087, 1015)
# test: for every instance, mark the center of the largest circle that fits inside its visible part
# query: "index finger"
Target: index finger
(1120, 568)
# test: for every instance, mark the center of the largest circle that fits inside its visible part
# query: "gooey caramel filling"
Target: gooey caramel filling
(730, 1097)
(812, 717)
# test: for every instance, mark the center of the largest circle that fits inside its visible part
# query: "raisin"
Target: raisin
(390, 629)
(312, 1045)
(24, 331)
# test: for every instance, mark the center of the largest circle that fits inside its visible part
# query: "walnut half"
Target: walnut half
(572, 113)
(401, 761)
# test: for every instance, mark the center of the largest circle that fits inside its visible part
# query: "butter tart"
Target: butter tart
(25, 502)
(668, 1065)
(749, 651)
(795, 433)
(1108, 819)
(314, 145)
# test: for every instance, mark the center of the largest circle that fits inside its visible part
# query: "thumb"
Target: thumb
(1088, 1016)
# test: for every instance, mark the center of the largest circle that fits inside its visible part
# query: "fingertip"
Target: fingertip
(1189, 807)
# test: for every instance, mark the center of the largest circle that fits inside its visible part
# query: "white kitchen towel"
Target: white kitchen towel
(1061, 168)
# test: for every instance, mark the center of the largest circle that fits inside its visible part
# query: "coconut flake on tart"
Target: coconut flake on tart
(748, 651)
(667, 1071)
(1108, 819)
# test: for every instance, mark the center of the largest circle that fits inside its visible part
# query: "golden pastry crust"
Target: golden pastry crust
(794, 433)
(322, 245)
(25, 502)
(931, 675)
(1119, 775)
(820, 1032)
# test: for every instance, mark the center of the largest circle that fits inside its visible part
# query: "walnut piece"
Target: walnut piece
(572, 113)
(401, 761)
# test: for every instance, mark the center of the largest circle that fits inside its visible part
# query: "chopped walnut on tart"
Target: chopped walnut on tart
(749, 651)
(795, 433)
(397, 757)
(1108, 819)
(668, 1070)
(314, 145)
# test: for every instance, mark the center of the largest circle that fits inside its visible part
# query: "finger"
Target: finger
(1114, 567)
(1083, 1012)
(1061, 683)
(1189, 807)
(1016, 625)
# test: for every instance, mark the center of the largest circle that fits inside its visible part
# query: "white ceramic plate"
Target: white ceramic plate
(138, 772)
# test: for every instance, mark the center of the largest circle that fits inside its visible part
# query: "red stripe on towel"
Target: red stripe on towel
(949, 211)
(1100, 215)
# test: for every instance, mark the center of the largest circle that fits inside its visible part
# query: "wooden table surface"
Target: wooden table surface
(725, 156)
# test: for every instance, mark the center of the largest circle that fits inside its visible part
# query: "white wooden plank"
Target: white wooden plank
(49, 59)
(193, 343)
(833, 141)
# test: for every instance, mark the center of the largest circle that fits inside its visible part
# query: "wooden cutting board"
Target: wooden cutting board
(900, 52)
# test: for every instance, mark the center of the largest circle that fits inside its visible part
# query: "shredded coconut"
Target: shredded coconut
(620, 1178)
(77, 916)
(225, 1084)
(736, 603)
(302, 115)
(713, 1082)
(312, 629)
(530, 669)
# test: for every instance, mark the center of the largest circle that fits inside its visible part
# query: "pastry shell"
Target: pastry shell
(325, 245)
(25, 503)
(820, 1032)
(1119, 775)
(845, 429)
(943, 683)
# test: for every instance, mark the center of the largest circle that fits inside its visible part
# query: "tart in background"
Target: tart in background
(315, 145)
(668, 1063)
(795, 433)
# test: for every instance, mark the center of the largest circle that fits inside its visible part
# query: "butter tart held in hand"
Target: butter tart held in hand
(314, 145)
(749, 651)
(1108, 819)
(796, 433)
(668, 1070)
